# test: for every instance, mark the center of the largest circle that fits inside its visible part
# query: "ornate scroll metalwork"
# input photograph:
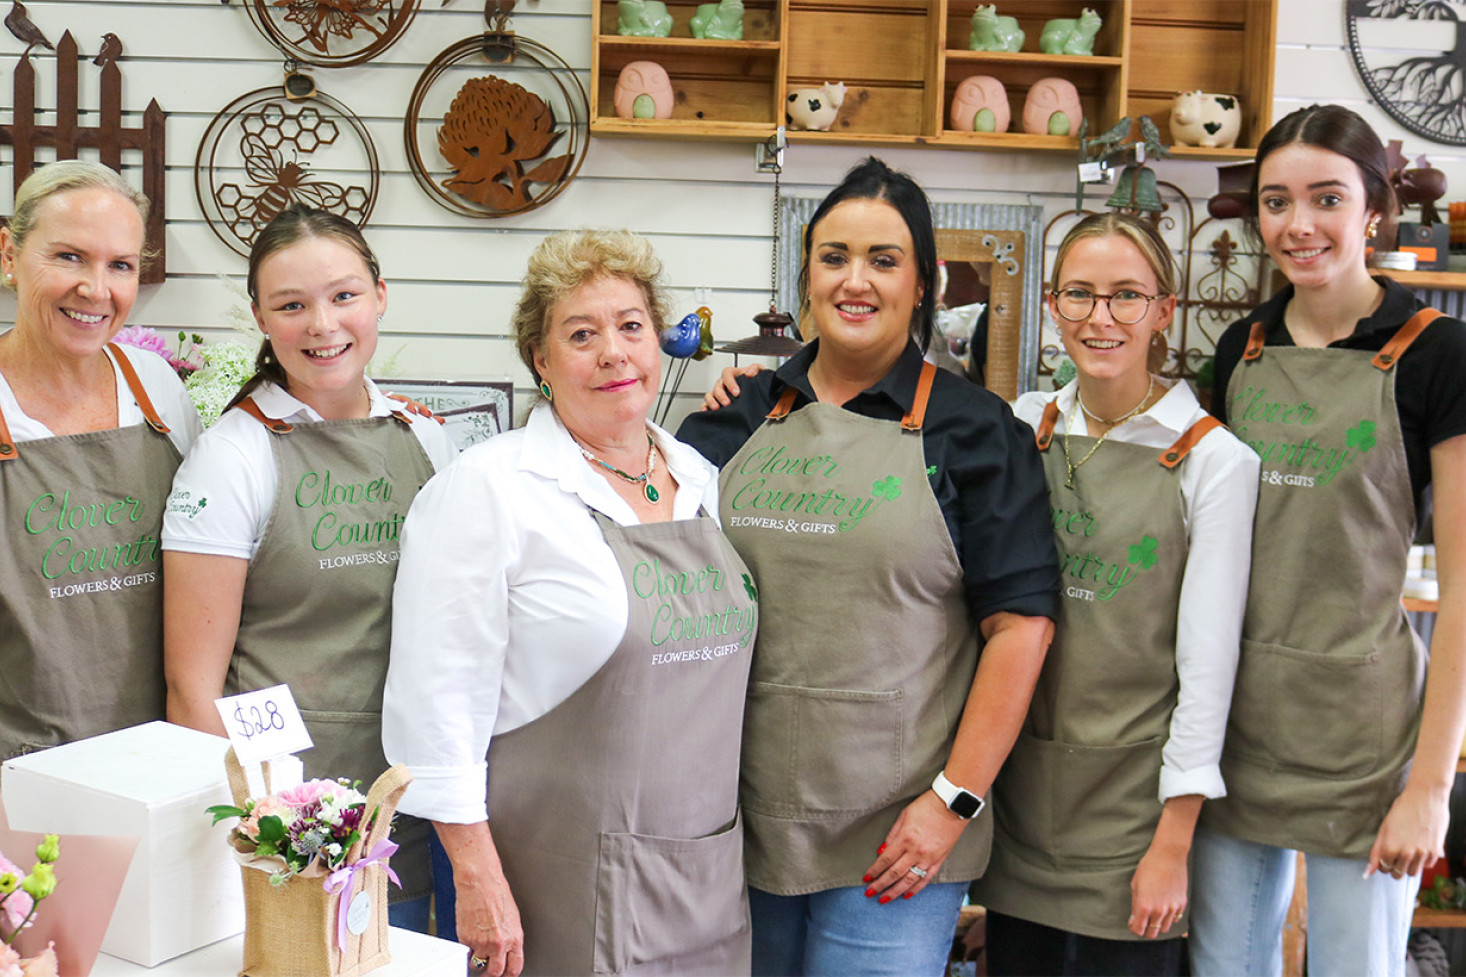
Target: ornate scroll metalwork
(1420, 85)
(107, 135)
(332, 33)
(504, 143)
(263, 152)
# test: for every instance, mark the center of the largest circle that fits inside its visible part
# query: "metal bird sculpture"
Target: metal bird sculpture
(111, 50)
(25, 29)
(1151, 137)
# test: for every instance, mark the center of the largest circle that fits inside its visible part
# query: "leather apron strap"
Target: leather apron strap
(913, 420)
(1174, 455)
(1408, 333)
(139, 394)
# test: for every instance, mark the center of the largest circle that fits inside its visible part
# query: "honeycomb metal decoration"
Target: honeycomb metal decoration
(259, 154)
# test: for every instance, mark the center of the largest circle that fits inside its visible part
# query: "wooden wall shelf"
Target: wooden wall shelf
(902, 61)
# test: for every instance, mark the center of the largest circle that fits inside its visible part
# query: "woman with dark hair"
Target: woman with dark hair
(282, 530)
(86, 426)
(1340, 744)
(896, 520)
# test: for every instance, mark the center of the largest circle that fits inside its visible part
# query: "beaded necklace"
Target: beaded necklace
(644, 479)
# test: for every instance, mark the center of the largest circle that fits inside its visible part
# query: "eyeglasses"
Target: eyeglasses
(1126, 306)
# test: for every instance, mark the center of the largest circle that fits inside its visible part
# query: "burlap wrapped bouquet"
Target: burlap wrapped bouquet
(314, 861)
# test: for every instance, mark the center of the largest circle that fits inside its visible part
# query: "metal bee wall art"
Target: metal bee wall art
(332, 33)
(263, 152)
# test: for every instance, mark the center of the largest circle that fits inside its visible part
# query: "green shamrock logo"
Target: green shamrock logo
(931, 470)
(1362, 436)
(887, 488)
(749, 588)
(1143, 552)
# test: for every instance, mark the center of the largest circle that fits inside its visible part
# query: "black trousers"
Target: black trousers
(1019, 948)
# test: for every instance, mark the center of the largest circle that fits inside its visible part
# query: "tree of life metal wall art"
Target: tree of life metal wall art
(262, 153)
(332, 33)
(492, 145)
(1411, 55)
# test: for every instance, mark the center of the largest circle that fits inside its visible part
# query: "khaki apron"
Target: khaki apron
(1076, 805)
(81, 593)
(866, 654)
(317, 611)
(1327, 705)
(615, 814)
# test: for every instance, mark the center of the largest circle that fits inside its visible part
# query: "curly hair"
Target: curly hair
(565, 261)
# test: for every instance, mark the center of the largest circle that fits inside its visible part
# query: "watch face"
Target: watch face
(966, 805)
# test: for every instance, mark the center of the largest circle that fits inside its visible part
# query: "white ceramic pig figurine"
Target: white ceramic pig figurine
(814, 108)
(1205, 119)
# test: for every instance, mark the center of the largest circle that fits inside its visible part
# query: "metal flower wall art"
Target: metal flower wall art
(332, 33)
(498, 124)
(492, 136)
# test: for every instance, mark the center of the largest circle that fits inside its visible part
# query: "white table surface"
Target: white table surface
(413, 955)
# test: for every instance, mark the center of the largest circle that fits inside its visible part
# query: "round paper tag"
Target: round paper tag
(359, 914)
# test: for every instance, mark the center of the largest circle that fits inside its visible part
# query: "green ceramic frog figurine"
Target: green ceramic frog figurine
(1065, 36)
(993, 33)
(643, 18)
(719, 21)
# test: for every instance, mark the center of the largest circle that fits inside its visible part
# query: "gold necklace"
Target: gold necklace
(648, 490)
(1074, 416)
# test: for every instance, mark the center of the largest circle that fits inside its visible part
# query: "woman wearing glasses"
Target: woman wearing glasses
(1095, 808)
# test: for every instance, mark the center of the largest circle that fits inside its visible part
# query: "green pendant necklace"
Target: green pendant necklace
(644, 480)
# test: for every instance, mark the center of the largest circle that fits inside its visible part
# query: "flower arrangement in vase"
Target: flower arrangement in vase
(21, 894)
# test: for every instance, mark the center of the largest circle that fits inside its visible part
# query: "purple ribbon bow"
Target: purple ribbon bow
(340, 881)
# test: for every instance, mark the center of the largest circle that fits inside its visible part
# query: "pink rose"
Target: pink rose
(249, 826)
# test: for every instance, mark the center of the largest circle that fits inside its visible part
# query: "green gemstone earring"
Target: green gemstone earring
(546, 391)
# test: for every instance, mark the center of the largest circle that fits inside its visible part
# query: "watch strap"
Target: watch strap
(963, 803)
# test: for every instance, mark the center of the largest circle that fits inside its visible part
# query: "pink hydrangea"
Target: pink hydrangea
(308, 793)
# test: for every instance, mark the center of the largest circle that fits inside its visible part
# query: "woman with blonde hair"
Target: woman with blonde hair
(570, 653)
(90, 435)
(1152, 503)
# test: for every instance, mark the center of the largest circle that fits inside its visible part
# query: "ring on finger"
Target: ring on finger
(477, 962)
(920, 873)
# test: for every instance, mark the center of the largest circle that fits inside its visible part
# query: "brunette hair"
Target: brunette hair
(565, 261)
(1342, 131)
(64, 176)
(295, 223)
(1139, 232)
(872, 179)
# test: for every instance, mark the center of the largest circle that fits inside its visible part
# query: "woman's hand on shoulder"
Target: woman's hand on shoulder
(726, 389)
(415, 407)
(921, 838)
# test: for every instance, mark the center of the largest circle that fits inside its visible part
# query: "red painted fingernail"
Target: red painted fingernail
(881, 850)
(885, 899)
(869, 893)
(906, 896)
(868, 879)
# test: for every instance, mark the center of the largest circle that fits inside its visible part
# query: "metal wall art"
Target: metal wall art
(1411, 55)
(107, 135)
(332, 33)
(499, 143)
(263, 152)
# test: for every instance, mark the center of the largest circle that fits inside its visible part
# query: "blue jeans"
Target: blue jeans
(445, 897)
(1239, 900)
(410, 914)
(841, 932)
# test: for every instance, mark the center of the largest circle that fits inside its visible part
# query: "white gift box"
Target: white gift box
(182, 890)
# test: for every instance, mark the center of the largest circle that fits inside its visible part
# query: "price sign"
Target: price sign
(263, 724)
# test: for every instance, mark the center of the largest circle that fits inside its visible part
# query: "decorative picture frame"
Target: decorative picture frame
(474, 410)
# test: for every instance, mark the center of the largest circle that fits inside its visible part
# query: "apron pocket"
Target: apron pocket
(666, 898)
(348, 744)
(1021, 809)
(1106, 799)
(821, 753)
(1300, 710)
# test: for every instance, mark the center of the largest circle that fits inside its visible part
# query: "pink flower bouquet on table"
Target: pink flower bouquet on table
(307, 830)
(20, 895)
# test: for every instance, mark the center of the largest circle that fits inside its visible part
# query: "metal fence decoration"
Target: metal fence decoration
(331, 33)
(67, 137)
(263, 151)
(503, 143)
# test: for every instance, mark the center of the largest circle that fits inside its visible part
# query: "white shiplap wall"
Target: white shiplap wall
(453, 280)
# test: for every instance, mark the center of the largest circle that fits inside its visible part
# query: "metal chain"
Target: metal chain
(774, 259)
